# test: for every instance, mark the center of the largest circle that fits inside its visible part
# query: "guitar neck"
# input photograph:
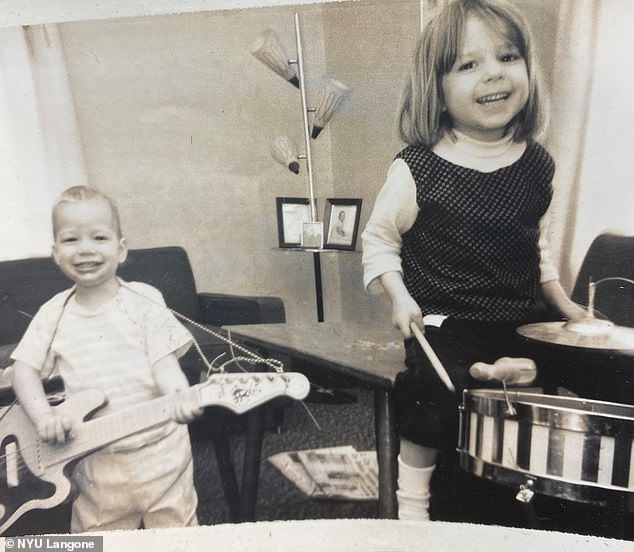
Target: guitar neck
(237, 392)
(99, 432)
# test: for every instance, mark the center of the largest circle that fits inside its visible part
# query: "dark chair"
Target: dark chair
(609, 255)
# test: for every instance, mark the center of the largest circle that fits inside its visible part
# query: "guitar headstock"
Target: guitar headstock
(242, 391)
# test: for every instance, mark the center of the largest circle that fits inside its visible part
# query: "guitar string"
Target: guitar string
(302, 402)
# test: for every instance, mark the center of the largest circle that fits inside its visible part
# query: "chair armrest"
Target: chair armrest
(220, 309)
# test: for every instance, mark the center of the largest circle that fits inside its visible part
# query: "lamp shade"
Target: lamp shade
(331, 95)
(284, 152)
(269, 50)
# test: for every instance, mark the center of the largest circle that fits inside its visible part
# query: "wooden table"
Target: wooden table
(372, 356)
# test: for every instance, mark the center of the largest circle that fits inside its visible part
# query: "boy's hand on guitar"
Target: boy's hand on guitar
(183, 413)
(54, 428)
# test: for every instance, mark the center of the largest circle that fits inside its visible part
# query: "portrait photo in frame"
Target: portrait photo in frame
(292, 213)
(341, 220)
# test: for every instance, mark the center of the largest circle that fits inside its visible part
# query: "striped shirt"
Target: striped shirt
(111, 348)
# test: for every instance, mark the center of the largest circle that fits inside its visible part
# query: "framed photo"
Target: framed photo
(292, 213)
(313, 235)
(342, 223)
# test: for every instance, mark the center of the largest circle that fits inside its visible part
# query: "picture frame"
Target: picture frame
(341, 220)
(292, 213)
(313, 235)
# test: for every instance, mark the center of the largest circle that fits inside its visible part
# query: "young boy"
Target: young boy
(117, 337)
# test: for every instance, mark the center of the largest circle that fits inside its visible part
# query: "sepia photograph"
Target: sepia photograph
(317, 275)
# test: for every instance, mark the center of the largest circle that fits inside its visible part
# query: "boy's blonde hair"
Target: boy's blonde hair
(422, 119)
(79, 194)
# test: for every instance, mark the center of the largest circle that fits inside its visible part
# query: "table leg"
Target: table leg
(386, 450)
(226, 469)
(319, 294)
(252, 459)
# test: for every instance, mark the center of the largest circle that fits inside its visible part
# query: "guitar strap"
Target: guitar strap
(50, 361)
(250, 357)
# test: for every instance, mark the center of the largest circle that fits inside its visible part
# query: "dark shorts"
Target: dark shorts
(427, 412)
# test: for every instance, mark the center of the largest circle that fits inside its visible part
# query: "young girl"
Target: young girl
(456, 236)
(117, 337)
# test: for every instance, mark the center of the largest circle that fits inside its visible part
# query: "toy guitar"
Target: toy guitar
(35, 474)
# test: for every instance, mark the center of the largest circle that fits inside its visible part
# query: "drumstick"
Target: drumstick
(431, 355)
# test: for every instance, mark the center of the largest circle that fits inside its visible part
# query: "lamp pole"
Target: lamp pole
(319, 296)
(305, 110)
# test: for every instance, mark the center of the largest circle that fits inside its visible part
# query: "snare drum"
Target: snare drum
(571, 448)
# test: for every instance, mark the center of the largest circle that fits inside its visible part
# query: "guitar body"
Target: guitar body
(30, 476)
(35, 474)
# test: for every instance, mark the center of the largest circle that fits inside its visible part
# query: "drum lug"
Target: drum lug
(526, 492)
(510, 410)
(461, 423)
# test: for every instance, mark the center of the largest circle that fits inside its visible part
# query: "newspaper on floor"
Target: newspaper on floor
(341, 473)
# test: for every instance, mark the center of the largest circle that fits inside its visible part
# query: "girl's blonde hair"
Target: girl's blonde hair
(79, 194)
(422, 118)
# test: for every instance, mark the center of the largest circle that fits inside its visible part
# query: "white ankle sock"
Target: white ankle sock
(413, 491)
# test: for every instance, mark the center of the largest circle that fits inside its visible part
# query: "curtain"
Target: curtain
(40, 149)
(573, 70)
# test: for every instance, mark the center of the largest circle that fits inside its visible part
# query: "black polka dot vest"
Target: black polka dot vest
(473, 251)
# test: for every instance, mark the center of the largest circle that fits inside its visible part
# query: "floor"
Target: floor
(303, 425)
(458, 496)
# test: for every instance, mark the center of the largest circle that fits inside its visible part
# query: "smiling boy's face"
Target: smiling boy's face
(88, 247)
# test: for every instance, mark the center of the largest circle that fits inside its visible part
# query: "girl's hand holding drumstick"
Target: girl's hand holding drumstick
(431, 355)
(405, 310)
(407, 317)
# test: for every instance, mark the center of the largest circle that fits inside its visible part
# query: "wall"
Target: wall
(176, 118)
(374, 59)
